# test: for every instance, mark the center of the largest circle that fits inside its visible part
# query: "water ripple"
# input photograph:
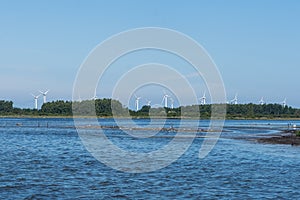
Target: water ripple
(52, 163)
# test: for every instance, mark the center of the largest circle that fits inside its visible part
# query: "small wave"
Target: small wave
(37, 197)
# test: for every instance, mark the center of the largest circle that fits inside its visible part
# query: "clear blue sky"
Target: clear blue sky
(255, 44)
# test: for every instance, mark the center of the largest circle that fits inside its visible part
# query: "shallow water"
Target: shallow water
(45, 159)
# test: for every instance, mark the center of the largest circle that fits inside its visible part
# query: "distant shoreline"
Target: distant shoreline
(155, 117)
(287, 137)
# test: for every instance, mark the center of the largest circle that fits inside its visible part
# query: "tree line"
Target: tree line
(109, 107)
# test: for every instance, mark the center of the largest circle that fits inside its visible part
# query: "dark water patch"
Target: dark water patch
(282, 139)
(37, 197)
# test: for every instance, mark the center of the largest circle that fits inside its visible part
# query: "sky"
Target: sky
(255, 45)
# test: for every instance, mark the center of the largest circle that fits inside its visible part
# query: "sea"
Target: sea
(46, 158)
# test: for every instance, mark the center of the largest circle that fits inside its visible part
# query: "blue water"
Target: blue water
(45, 159)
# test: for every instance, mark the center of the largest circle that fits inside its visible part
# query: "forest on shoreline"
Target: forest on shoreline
(113, 108)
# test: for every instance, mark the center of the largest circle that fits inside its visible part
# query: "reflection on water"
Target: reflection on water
(45, 159)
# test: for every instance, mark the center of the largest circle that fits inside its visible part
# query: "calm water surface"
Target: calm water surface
(45, 159)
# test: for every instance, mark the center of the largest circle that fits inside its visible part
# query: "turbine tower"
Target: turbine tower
(172, 103)
(284, 102)
(36, 100)
(262, 102)
(165, 98)
(235, 100)
(137, 99)
(148, 102)
(44, 95)
(203, 99)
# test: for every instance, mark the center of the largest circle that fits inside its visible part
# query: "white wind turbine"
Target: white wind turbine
(262, 102)
(137, 100)
(172, 102)
(235, 100)
(284, 102)
(36, 100)
(44, 95)
(165, 99)
(203, 99)
(148, 102)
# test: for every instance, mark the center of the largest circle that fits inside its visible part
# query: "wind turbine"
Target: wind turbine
(36, 100)
(44, 95)
(262, 102)
(165, 98)
(137, 99)
(172, 102)
(235, 100)
(148, 102)
(203, 99)
(284, 102)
